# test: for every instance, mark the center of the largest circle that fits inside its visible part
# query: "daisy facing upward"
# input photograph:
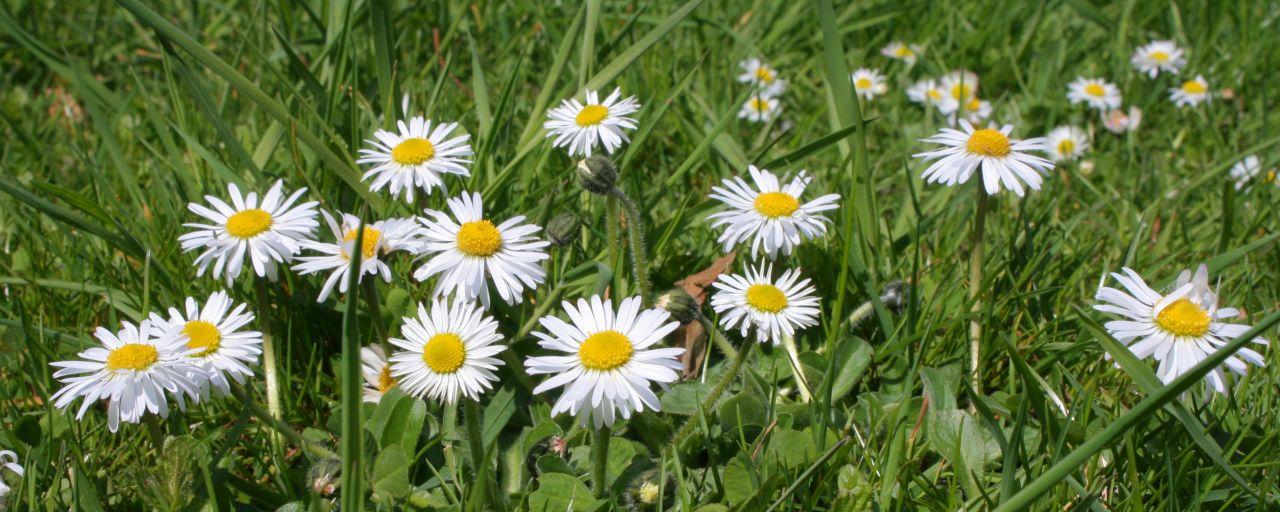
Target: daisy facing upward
(269, 232)
(447, 352)
(1066, 143)
(868, 83)
(773, 308)
(762, 76)
(213, 338)
(1158, 56)
(1192, 92)
(1001, 160)
(759, 109)
(415, 157)
(381, 238)
(581, 126)
(771, 215)
(1094, 92)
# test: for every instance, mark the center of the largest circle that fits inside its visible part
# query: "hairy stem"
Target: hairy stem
(480, 496)
(269, 366)
(635, 241)
(710, 401)
(600, 461)
(975, 288)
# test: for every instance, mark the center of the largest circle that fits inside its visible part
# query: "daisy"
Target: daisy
(1095, 92)
(132, 370)
(607, 363)
(774, 308)
(468, 248)
(9, 461)
(975, 111)
(581, 127)
(1247, 170)
(761, 75)
(448, 352)
(270, 231)
(769, 213)
(1117, 121)
(1179, 329)
(1193, 92)
(759, 109)
(212, 337)
(1158, 56)
(1066, 143)
(376, 372)
(380, 239)
(868, 83)
(959, 88)
(991, 151)
(904, 52)
(925, 92)
(415, 157)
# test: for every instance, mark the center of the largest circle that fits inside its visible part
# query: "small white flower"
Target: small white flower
(975, 111)
(907, 53)
(447, 352)
(380, 239)
(1067, 143)
(1158, 56)
(759, 109)
(959, 88)
(868, 83)
(9, 461)
(761, 76)
(1000, 159)
(132, 370)
(581, 126)
(270, 231)
(213, 338)
(774, 308)
(1248, 170)
(376, 372)
(926, 92)
(1192, 92)
(607, 362)
(415, 157)
(770, 213)
(1117, 121)
(471, 251)
(1094, 92)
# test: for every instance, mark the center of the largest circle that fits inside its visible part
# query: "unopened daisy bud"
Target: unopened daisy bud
(563, 229)
(323, 476)
(597, 174)
(680, 304)
(648, 493)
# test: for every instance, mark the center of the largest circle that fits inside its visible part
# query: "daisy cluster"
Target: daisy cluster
(766, 88)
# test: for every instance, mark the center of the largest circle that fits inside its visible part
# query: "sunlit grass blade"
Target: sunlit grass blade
(353, 463)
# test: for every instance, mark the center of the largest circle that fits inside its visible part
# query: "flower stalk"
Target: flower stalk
(975, 289)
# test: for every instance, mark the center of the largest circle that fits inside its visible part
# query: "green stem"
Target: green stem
(269, 366)
(279, 426)
(600, 461)
(480, 493)
(975, 288)
(155, 430)
(635, 241)
(710, 401)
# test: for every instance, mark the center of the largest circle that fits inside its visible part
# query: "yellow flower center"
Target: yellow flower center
(385, 380)
(1095, 90)
(1066, 146)
(974, 105)
(444, 353)
(1193, 87)
(904, 51)
(605, 350)
(1270, 177)
(1159, 56)
(132, 356)
(988, 142)
(776, 204)
(764, 74)
(479, 238)
(862, 83)
(1183, 318)
(935, 94)
(592, 115)
(766, 297)
(413, 151)
(202, 335)
(368, 245)
(759, 105)
(961, 91)
(248, 223)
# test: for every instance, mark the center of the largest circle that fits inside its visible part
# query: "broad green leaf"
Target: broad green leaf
(558, 492)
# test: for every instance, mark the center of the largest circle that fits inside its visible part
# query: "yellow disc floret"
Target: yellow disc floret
(385, 380)
(592, 115)
(605, 350)
(776, 204)
(862, 84)
(132, 356)
(764, 74)
(1159, 56)
(1183, 318)
(1066, 146)
(444, 353)
(766, 297)
(413, 151)
(479, 238)
(248, 223)
(1095, 90)
(1194, 87)
(370, 242)
(988, 142)
(202, 336)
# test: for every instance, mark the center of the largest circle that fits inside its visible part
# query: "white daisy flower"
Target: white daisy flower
(376, 372)
(762, 76)
(1094, 92)
(1000, 159)
(270, 231)
(1179, 329)
(759, 109)
(415, 157)
(868, 83)
(1066, 143)
(1117, 121)
(581, 127)
(213, 338)
(1192, 92)
(132, 370)
(608, 363)
(1247, 171)
(975, 111)
(380, 239)
(769, 213)
(471, 248)
(959, 88)
(774, 308)
(9, 461)
(926, 92)
(1158, 56)
(448, 352)
(907, 53)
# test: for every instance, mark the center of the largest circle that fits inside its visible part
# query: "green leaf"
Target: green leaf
(390, 478)
(558, 492)
(685, 398)
(739, 483)
(499, 411)
(397, 419)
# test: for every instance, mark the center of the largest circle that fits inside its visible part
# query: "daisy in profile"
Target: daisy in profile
(759, 109)
(582, 126)
(607, 359)
(447, 352)
(1000, 159)
(132, 371)
(416, 156)
(762, 76)
(1158, 56)
(769, 214)
(959, 88)
(467, 251)
(868, 83)
(1192, 92)
(773, 308)
(376, 372)
(1247, 171)
(9, 461)
(1178, 329)
(1066, 143)
(975, 111)
(213, 338)
(380, 239)
(898, 50)
(1118, 121)
(269, 231)
(1097, 93)
(925, 92)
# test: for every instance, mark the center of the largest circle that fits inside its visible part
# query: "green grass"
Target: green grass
(116, 116)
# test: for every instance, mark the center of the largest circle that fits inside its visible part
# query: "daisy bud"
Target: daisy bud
(680, 304)
(563, 229)
(597, 174)
(323, 476)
